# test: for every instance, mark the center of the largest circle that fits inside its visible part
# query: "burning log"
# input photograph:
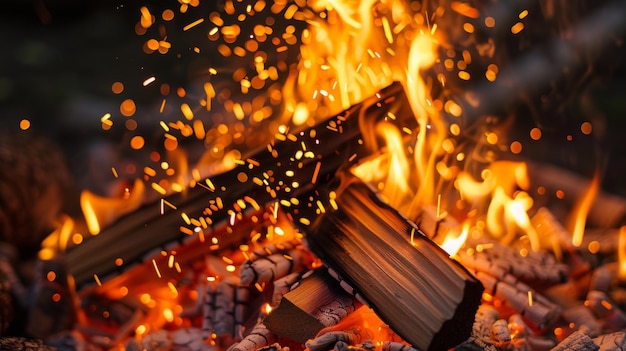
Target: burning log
(583, 320)
(257, 338)
(577, 341)
(612, 317)
(397, 346)
(536, 309)
(330, 340)
(266, 266)
(607, 210)
(283, 286)
(505, 275)
(225, 307)
(317, 301)
(424, 296)
(611, 342)
(189, 339)
(280, 172)
(505, 263)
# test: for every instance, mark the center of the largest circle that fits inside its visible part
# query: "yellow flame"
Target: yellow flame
(58, 239)
(431, 129)
(621, 253)
(578, 216)
(389, 170)
(453, 245)
(507, 205)
(348, 52)
(101, 211)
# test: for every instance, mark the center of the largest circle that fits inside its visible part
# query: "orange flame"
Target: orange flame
(453, 245)
(58, 239)
(101, 211)
(578, 217)
(621, 254)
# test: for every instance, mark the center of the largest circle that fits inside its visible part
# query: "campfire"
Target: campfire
(370, 194)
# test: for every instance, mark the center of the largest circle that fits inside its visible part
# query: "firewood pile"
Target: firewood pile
(258, 284)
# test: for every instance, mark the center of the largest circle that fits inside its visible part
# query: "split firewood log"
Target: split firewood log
(316, 302)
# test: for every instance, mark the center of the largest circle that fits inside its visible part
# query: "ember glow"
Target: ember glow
(461, 183)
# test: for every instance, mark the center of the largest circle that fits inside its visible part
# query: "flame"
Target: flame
(390, 169)
(361, 46)
(578, 217)
(453, 245)
(350, 51)
(621, 253)
(57, 240)
(102, 211)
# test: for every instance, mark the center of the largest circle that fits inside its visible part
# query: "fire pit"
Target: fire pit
(410, 219)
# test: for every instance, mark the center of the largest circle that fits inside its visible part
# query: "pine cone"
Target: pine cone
(33, 181)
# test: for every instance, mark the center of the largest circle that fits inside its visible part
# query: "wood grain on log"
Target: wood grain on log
(316, 302)
(424, 296)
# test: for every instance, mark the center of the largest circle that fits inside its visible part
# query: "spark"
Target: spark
(275, 210)
(438, 213)
(167, 313)
(156, 268)
(185, 218)
(172, 289)
(185, 230)
(193, 24)
(169, 204)
(387, 29)
(148, 81)
(320, 206)
(106, 117)
(98, 282)
(25, 123)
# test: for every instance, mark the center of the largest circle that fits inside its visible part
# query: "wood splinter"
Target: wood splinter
(315, 303)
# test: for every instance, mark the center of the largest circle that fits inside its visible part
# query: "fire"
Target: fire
(453, 245)
(578, 217)
(101, 211)
(348, 51)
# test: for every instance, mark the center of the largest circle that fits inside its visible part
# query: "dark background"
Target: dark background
(59, 58)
